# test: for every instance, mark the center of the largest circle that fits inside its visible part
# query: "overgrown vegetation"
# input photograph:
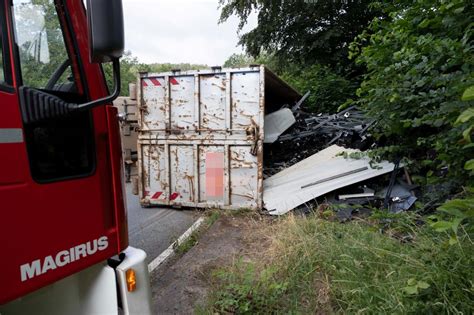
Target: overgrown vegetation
(411, 68)
(303, 32)
(328, 89)
(307, 43)
(419, 62)
(192, 240)
(407, 67)
(315, 265)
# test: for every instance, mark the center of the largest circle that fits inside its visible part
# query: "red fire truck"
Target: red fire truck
(63, 228)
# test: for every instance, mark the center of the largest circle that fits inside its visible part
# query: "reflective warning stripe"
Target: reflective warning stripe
(11, 135)
(151, 82)
(174, 196)
(156, 195)
(155, 81)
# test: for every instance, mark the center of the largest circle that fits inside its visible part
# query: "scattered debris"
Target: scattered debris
(356, 196)
(297, 106)
(302, 163)
(312, 133)
(402, 204)
(344, 214)
(315, 176)
(186, 150)
(346, 122)
(277, 123)
(360, 169)
(400, 197)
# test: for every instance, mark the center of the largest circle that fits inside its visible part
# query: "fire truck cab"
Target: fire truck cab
(63, 225)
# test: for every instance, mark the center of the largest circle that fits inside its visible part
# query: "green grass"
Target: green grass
(192, 240)
(187, 244)
(315, 265)
(212, 216)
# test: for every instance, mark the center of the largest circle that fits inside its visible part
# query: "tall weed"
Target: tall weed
(314, 266)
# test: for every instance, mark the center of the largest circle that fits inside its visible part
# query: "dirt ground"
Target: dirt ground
(184, 282)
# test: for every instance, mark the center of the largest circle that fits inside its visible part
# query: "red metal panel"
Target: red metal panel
(61, 221)
(115, 147)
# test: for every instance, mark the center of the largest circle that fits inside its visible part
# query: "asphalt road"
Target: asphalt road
(154, 229)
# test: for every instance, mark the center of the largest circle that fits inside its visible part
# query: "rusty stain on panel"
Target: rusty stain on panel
(193, 115)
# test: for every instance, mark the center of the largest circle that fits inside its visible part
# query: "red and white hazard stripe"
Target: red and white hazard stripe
(173, 81)
(158, 81)
(156, 195)
(152, 82)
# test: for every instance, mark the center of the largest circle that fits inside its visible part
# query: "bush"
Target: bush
(419, 63)
(329, 90)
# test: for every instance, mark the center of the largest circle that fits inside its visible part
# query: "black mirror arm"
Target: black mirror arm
(110, 98)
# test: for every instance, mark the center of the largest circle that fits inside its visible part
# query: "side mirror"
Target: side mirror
(106, 31)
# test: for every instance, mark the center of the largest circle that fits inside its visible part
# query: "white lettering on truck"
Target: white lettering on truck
(61, 259)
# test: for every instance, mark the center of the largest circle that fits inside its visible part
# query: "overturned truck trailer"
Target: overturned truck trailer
(201, 136)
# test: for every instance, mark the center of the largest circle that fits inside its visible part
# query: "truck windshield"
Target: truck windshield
(44, 58)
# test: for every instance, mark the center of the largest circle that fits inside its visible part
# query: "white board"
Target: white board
(283, 191)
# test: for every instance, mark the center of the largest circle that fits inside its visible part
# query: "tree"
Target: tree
(303, 32)
(329, 90)
(238, 61)
(130, 67)
(306, 42)
(419, 64)
(165, 67)
(41, 44)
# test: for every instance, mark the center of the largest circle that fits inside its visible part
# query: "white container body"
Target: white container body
(201, 138)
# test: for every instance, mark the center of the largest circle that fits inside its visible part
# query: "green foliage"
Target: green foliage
(465, 116)
(246, 291)
(419, 63)
(303, 32)
(415, 287)
(164, 67)
(212, 217)
(184, 246)
(42, 49)
(468, 94)
(360, 269)
(455, 217)
(328, 89)
(130, 67)
(238, 61)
